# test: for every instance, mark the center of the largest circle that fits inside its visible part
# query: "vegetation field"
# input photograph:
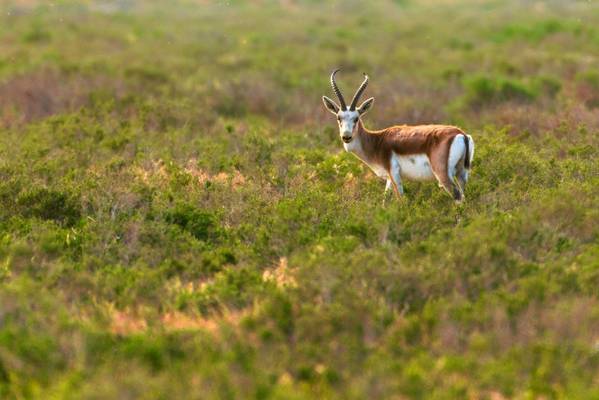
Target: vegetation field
(178, 219)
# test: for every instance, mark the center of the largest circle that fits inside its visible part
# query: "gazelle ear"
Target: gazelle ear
(330, 105)
(364, 107)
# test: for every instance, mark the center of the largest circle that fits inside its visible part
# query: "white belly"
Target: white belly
(415, 167)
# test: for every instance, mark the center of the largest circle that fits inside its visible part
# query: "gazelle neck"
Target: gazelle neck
(361, 145)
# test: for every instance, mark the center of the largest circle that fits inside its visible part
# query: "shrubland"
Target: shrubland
(178, 218)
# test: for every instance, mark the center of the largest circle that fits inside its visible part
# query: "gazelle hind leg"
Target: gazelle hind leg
(463, 178)
(451, 187)
(465, 172)
(460, 176)
(456, 169)
(443, 166)
(395, 176)
(448, 183)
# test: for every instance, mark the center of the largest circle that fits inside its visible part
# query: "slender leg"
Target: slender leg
(445, 174)
(456, 192)
(463, 173)
(456, 174)
(388, 185)
(450, 187)
(398, 186)
(463, 178)
(395, 177)
(439, 160)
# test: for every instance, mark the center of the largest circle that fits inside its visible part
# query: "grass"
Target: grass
(178, 218)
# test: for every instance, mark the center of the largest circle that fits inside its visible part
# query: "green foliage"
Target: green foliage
(589, 77)
(537, 30)
(483, 90)
(198, 223)
(178, 218)
(588, 87)
(49, 204)
(36, 34)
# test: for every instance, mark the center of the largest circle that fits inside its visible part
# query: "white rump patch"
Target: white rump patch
(456, 152)
(471, 145)
(415, 167)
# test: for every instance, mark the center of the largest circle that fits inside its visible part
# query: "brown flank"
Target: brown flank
(432, 140)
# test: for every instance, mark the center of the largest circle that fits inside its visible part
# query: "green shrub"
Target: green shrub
(536, 31)
(483, 90)
(36, 34)
(178, 218)
(50, 204)
(200, 224)
(548, 86)
(588, 88)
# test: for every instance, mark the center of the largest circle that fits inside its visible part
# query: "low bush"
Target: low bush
(178, 218)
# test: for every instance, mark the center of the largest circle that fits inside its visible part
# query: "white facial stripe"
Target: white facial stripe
(347, 122)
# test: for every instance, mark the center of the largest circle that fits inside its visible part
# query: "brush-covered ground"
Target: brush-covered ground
(178, 219)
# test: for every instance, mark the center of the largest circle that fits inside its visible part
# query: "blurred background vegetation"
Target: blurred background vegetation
(178, 218)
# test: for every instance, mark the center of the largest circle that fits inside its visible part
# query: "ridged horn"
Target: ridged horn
(337, 91)
(359, 92)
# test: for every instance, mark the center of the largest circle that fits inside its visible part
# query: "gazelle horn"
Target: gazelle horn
(359, 92)
(337, 91)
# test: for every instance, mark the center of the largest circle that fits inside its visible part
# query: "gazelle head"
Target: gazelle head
(347, 117)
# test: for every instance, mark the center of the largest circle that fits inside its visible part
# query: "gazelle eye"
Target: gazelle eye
(356, 120)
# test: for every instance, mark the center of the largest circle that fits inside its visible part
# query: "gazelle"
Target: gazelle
(420, 152)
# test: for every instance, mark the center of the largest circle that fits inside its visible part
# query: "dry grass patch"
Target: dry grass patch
(128, 322)
(40, 94)
(281, 274)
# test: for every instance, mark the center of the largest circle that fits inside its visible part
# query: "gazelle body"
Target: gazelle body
(397, 153)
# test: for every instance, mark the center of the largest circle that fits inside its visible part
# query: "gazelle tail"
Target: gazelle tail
(469, 151)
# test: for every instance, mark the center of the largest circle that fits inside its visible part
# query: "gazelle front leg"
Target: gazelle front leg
(388, 185)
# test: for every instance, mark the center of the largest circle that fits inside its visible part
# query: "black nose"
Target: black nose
(346, 139)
